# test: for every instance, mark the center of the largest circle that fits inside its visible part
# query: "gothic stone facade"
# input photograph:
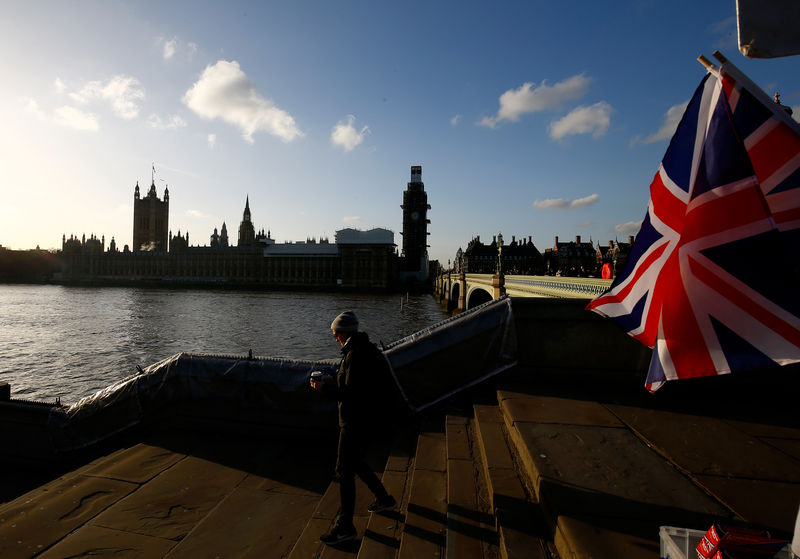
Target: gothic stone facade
(359, 260)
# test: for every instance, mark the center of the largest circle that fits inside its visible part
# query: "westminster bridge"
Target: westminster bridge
(464, 291)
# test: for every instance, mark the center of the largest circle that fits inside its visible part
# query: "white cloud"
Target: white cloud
(59, 85)
(629, 228)
(593, 120)
(169, 48)
(455, 120)
(516, 102)
(171, 123)
(669, 124)
(224, 91)
(587, 223)
(176, 49)
(352, 219)
(796, 112)
(562, 204)
(32, 107)
(196, 213)
(75, 118)
(123, 92)
(345, 135)
(212, 140)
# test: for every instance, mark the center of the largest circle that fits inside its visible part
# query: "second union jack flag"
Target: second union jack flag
(713, 280)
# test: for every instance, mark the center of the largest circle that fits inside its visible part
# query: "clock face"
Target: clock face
(415, 216)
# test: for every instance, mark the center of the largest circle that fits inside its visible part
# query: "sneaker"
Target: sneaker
(338, 535)
(390, 503)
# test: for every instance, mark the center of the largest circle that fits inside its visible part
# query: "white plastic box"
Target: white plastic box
(681, 543)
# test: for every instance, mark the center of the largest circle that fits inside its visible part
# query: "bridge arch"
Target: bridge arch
(452, 300)
(477, 296)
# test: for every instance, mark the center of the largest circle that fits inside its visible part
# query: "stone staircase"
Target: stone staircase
(459, 493)
(511, 474)
(545, 476)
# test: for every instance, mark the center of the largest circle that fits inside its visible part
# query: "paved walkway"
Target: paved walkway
(177, 494)
(585, 467)
(610, 467)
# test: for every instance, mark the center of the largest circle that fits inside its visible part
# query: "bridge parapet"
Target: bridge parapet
(462, 291)
(558, 287)
(524, 286)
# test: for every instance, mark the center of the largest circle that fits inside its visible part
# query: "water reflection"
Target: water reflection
(68, 342)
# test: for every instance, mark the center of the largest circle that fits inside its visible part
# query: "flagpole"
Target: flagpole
(706, 62)
(750, 85)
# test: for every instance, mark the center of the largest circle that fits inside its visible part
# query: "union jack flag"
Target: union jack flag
(713, 280)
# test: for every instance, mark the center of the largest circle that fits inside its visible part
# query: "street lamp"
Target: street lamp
(499, 254)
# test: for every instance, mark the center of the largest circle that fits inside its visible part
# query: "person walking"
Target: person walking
(363, 389)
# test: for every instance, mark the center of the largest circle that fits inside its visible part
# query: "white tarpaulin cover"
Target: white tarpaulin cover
(435, 363)
(428, 367)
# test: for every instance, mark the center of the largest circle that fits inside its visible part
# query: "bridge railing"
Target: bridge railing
(543, 286)
(551, 286)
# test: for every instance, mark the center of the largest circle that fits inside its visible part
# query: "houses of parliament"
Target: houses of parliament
(355, 260)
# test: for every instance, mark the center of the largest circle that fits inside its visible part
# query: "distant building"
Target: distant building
(414, 256)
(367, 258)
(82, 255)
(357, 260)
(573, 258)
(150, 220)
(29, 265)
(220, 240)
(519, 257)
(247, 233)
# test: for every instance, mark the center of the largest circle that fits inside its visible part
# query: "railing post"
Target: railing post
(462, 293)
(498, 286)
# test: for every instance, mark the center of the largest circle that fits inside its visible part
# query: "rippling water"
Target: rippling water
(69, 342)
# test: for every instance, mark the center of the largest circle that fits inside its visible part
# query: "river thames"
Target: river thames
(69, 342)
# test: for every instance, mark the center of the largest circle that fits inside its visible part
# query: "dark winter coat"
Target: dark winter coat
(363, 386)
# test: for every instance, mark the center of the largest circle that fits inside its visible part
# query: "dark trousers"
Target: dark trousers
(350, 463)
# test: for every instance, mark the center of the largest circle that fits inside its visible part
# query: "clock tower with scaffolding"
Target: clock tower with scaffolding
(414, 258)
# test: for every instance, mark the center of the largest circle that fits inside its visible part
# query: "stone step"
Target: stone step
(603, 490)
(308, 545)
(521, 529)
(470, 527)
(426, 513)
(384, 529)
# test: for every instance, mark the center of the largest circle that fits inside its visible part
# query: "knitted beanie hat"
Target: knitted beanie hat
(345, 322)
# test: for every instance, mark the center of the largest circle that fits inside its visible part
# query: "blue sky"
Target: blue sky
(530, 118)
